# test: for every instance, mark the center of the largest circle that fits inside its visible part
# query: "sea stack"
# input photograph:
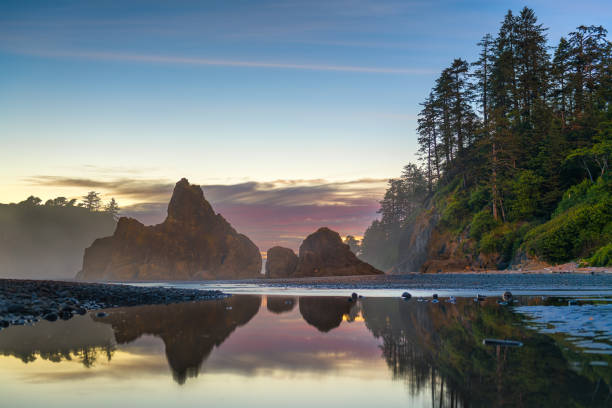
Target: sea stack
(193, 243)
(324, 254)
(280, 262)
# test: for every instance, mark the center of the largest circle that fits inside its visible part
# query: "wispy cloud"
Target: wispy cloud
(198, 61)
(279, 212)
(128, 188)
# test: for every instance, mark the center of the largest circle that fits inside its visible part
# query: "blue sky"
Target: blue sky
(230, 92)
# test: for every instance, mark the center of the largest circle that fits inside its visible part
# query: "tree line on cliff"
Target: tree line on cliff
(514, 150)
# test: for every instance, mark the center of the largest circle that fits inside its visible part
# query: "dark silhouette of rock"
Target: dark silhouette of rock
(324, 312)
(324, 254)
(280, 304)
(192, 243)
(190, 331)
(280, 262)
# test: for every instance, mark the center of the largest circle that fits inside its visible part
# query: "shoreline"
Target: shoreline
(28, 301)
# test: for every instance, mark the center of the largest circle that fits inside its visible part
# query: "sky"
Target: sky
(291, 114)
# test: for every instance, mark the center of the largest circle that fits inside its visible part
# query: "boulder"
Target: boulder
(324, 254)
(280, 262)
(193, 243)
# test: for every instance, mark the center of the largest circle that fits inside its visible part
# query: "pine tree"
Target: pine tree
(92, 201)
(482, 76)
(428, 140)
(112, 208)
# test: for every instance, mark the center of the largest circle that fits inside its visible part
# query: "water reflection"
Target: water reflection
(434, 350)
(440, 346)
(78, 339)
(189, 330)
(324, 312)
(280, 304)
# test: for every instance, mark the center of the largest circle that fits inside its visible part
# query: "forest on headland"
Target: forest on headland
(48, 239)
(514, 153)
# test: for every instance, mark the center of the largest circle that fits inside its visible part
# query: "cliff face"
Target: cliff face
(324, 254)
(192, 243)
(429, 245)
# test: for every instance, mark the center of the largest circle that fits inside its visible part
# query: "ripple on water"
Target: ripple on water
(588, 326)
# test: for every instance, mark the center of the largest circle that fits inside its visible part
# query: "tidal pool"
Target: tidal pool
(307, 351)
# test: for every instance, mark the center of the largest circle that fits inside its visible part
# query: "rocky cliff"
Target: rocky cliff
(431, 245)
(324, 254)
(193, 243)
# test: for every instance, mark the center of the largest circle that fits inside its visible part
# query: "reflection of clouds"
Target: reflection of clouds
(283, 345)
(286, 343)
(123, 366)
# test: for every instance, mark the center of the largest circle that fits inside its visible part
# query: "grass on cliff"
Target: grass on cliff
(580, 226)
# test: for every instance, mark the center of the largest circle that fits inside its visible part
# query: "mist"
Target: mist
(48, 241)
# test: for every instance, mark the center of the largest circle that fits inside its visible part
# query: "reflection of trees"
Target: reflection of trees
(189, 331)
(78, 339)
(324, 312)
(280, 304)
(439, 347)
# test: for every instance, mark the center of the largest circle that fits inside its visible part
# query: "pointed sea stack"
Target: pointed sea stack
(193, 243)
(324, 254)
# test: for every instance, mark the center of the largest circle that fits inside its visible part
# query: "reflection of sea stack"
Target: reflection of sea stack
(280, 304)
(189, 331)
(192, 243)
(324, 254)
(324, 313)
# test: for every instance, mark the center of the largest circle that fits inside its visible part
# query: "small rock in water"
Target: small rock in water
(435, 296)
(507, 296)
(101, 314)
(354, 296)
(406, 295)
